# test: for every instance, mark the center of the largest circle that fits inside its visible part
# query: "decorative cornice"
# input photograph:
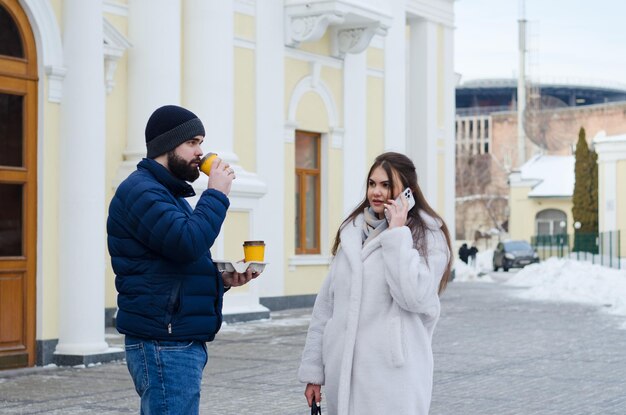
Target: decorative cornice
(247, 186)
(290, 131)
(375, 73)
(115, 44)
(354, 39)
(307, 260)
(115, 7)
(309, 28)
(352, 24)
(438, 11)
(247, 7)
(56, 74)
(336, 135)
(244, 43)
(302, 55)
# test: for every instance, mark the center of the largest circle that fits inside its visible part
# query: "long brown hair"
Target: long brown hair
(396, 164)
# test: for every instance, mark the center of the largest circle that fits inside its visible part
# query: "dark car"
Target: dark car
(513, 254)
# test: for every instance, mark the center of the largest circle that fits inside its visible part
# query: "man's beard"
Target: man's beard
(181, 168)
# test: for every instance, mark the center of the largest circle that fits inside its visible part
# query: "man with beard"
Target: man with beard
(169, 290)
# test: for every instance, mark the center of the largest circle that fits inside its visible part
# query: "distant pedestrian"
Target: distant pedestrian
(472, 255)
(370, 337)
(464, 253)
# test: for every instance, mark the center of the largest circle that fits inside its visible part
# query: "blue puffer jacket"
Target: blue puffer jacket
(168, 286)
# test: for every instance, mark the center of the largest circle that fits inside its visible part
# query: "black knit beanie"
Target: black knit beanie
(170, 126)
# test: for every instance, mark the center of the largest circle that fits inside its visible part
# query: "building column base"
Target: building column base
(109, 355)
(240, 307)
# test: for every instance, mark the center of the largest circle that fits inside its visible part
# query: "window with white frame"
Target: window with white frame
(551, 222)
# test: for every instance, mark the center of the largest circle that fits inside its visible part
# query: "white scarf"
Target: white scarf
(372, 226)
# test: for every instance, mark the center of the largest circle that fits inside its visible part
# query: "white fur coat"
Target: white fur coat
(369, 340)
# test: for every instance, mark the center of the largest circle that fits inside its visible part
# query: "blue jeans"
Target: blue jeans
(167, 374)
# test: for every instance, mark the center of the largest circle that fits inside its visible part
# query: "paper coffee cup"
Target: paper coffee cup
(254, 251)
(206, 162)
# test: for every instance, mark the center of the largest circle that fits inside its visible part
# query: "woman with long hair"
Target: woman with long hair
(370, 337)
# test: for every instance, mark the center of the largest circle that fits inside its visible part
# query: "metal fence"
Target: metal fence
(598, 248)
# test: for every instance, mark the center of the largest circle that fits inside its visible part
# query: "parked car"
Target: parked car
(513, 254)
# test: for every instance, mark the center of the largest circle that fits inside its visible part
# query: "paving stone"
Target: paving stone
(495, 354)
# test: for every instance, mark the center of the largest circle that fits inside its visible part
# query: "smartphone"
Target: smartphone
(407, 194)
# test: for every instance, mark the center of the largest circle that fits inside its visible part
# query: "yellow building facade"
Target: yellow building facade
(611, 152)
(540, 198)
(273, 82)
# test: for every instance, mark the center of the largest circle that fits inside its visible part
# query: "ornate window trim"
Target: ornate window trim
(115, 44)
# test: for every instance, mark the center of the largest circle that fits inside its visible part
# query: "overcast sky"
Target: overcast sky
(575, 39)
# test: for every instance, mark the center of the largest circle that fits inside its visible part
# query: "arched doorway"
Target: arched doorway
(18, 186)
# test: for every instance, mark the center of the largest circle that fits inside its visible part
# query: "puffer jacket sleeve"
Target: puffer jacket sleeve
(158, 221)
(312, 366)
(413, 282)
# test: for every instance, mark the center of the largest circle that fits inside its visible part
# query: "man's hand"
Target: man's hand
(221, 176)
(235, 279)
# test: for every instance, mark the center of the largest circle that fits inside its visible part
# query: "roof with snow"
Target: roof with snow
(549, 176)
(601, 138)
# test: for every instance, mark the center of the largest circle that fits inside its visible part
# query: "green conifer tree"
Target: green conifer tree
(585, 198)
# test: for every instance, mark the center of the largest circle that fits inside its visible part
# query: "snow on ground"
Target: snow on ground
(559, 279)
(278, 319)
(556, 279)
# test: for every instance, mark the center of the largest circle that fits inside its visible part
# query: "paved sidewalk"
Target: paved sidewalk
(494, 354)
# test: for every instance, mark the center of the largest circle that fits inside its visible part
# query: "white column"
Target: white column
(208, 91)
(422, 105)
(611, 157)
(208, 71)
(81, 178)
(270, 132)
(607, 203)
(395, 79)
(154, 29)
(355, 129)
(449, 108)
(611, 151)
(207, 87)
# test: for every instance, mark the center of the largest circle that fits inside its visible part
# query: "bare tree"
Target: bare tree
(481, 201)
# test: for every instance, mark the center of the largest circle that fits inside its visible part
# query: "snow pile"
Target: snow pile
(484, 260)
(475, 272)
(573, 281)
(463, 272)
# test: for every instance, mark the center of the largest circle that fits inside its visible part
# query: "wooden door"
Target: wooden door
(18, 187)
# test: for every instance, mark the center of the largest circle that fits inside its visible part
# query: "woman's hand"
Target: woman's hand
(313, 392)
(397, 212)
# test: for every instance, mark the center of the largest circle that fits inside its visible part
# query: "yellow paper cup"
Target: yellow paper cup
(206, 162)
(254, 251)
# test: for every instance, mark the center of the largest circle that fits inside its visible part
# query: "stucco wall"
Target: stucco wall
(313, 115)
(524, 210)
